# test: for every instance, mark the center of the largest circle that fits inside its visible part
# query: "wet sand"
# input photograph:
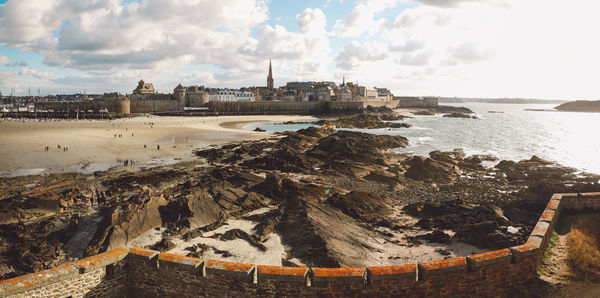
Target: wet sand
(92, 144)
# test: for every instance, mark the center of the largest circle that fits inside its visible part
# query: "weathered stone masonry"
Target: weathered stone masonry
(146, 273)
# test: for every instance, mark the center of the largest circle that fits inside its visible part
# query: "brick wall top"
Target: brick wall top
(282, 273)
(38, 279)
(101, 260)
(144, 253)
(330, 274)
(553, 204)
(547, 215)
(399, 271)
(486, 258)
(426, 270)
(179, 261)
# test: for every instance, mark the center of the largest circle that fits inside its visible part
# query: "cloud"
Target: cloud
(457, 3)
(468, 52)
(419, 58)
(362, 19)
(102, 37)
(32, 72)
(355, 53)
(409, 45)
(307, 50)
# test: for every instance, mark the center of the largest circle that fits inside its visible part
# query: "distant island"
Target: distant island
(580, 106)
(500, 100)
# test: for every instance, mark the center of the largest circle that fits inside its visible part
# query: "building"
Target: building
(145, 99)
(196, 96)
(144, 88)
(343, 94)
(325, 93)
(290, 95)
(384, 94)
(221, 95)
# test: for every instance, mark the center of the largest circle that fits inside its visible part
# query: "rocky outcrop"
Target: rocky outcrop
(131, 221)
(370, 121)
(460, 115)
(357, 146)
(483, 226)
(580, 106)
(430, 170)
(362, 206)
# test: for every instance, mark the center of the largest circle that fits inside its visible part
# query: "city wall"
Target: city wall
(147, 273)
(417, 102)
(154, 103)
(291, 107)
(114, 106)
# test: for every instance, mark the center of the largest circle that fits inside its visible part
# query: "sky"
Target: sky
(463, 48)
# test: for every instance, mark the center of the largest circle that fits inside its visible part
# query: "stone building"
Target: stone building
(325, 93)
(196, 96)
(145, 99)
(384, 94)
(144, 88)
(343, 94)
(221, 95)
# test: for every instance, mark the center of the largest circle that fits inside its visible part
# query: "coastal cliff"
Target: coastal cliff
(580, 106)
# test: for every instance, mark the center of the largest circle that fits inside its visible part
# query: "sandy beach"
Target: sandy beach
(92, 144)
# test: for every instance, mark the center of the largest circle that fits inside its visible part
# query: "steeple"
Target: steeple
(270, 77)
(344, 81)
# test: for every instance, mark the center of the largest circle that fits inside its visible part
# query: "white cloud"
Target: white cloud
(26, 71)
(102, 37)
(362, 19)
(355, 54)
(496, 48)
(307, 50)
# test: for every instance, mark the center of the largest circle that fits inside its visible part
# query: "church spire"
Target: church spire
(270, 77)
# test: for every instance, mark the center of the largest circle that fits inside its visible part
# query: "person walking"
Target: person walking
(157, 147)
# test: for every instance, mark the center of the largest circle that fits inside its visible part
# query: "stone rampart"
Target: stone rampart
(148, 273)
(110, 105)
(291, 107)
(417, 102)
(160, 104)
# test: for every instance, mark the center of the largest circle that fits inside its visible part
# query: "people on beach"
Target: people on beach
(144, 146)
(157, 147)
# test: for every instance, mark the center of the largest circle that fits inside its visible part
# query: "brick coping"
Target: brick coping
(258, 273)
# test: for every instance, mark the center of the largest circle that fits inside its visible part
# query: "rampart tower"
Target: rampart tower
(179, 94)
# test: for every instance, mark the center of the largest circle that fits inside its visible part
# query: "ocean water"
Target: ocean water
(570, 139)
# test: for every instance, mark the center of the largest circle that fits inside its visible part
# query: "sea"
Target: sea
(506, 131)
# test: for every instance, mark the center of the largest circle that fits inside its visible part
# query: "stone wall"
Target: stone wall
(147, 273)
(104, 274)
(417, 102)
(151, 105)
(115, 105)
(291, 107)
